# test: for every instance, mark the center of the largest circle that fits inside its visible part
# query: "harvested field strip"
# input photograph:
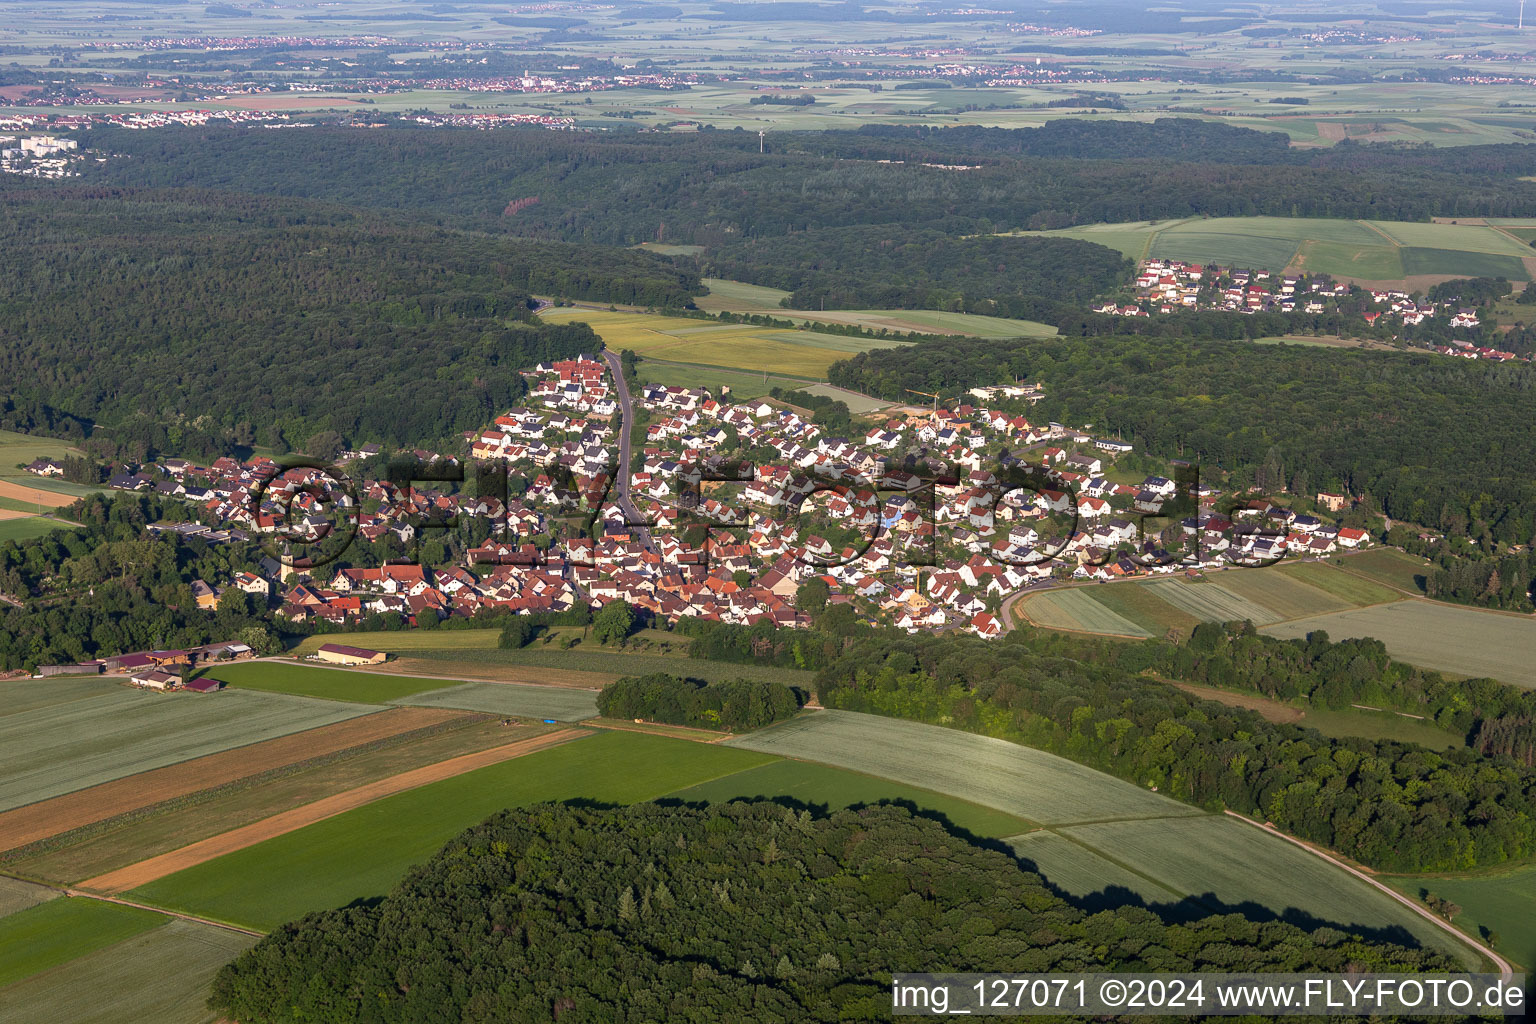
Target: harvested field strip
(38, 821)
(56, 750)
(18, 895)
(1026, 783)
(129, 838)
(559, 703)
(161, 975)
(280, 824)
(1210, 602)
(1077, 609)
(35, 495)
(58, 931)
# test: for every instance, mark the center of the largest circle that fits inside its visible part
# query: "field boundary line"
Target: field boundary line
(1506, 969)
(1106, 856)
(157, 867)
(210, 922)
(1390, 240)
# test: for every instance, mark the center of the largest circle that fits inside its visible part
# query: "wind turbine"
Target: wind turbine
(761, 133)
(1521, 26)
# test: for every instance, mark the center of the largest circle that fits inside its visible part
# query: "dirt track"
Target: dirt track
(51, 817)
(37, 496)
(10, 513)
(147, 871)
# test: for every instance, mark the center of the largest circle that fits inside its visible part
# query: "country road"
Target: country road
(1506, 969)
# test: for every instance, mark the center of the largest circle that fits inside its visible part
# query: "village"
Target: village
(1164, 286)
(927, 519)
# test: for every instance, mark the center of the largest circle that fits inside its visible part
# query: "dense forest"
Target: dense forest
(1426, 439)
(1393, 806)
(192, 322)
(111, 588)
(714, 186)
(906, 268)
(747, 911)
(735, 705)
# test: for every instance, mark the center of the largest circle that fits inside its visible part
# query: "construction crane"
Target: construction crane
(926, 394)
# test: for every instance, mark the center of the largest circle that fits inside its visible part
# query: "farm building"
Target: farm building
(84, 668)
(155, 679)
(340, 654)
(205, 684)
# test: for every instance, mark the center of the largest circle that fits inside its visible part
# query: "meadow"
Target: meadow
(742, 347)
(55, 932)
(57, 749)
(1504, 904)
(363, 852)
(827, 789)
(1377, 251)
(564, 704)
(1450, 638)
(1029, 784)
(353, 685)
(161, 975)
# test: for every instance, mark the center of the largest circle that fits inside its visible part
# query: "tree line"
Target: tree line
(734, 705)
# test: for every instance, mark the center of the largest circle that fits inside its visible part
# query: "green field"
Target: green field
(29, 527)
(563, 704)
(1503, 903)
(55, 932)
(353, 685)
(829, 789)
(742, 347)
(18, 695)
(364, 852)
(160, 976)
(1450, 638)
(1221, 863)
(1365, 250)
(395, 641)
(1081, 873)
(1349, 588)
(17, 450)
(857, 404)
(1392, 567)
(1026, 783)
(1381, 725)
(1080, 608)
(59, 748)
